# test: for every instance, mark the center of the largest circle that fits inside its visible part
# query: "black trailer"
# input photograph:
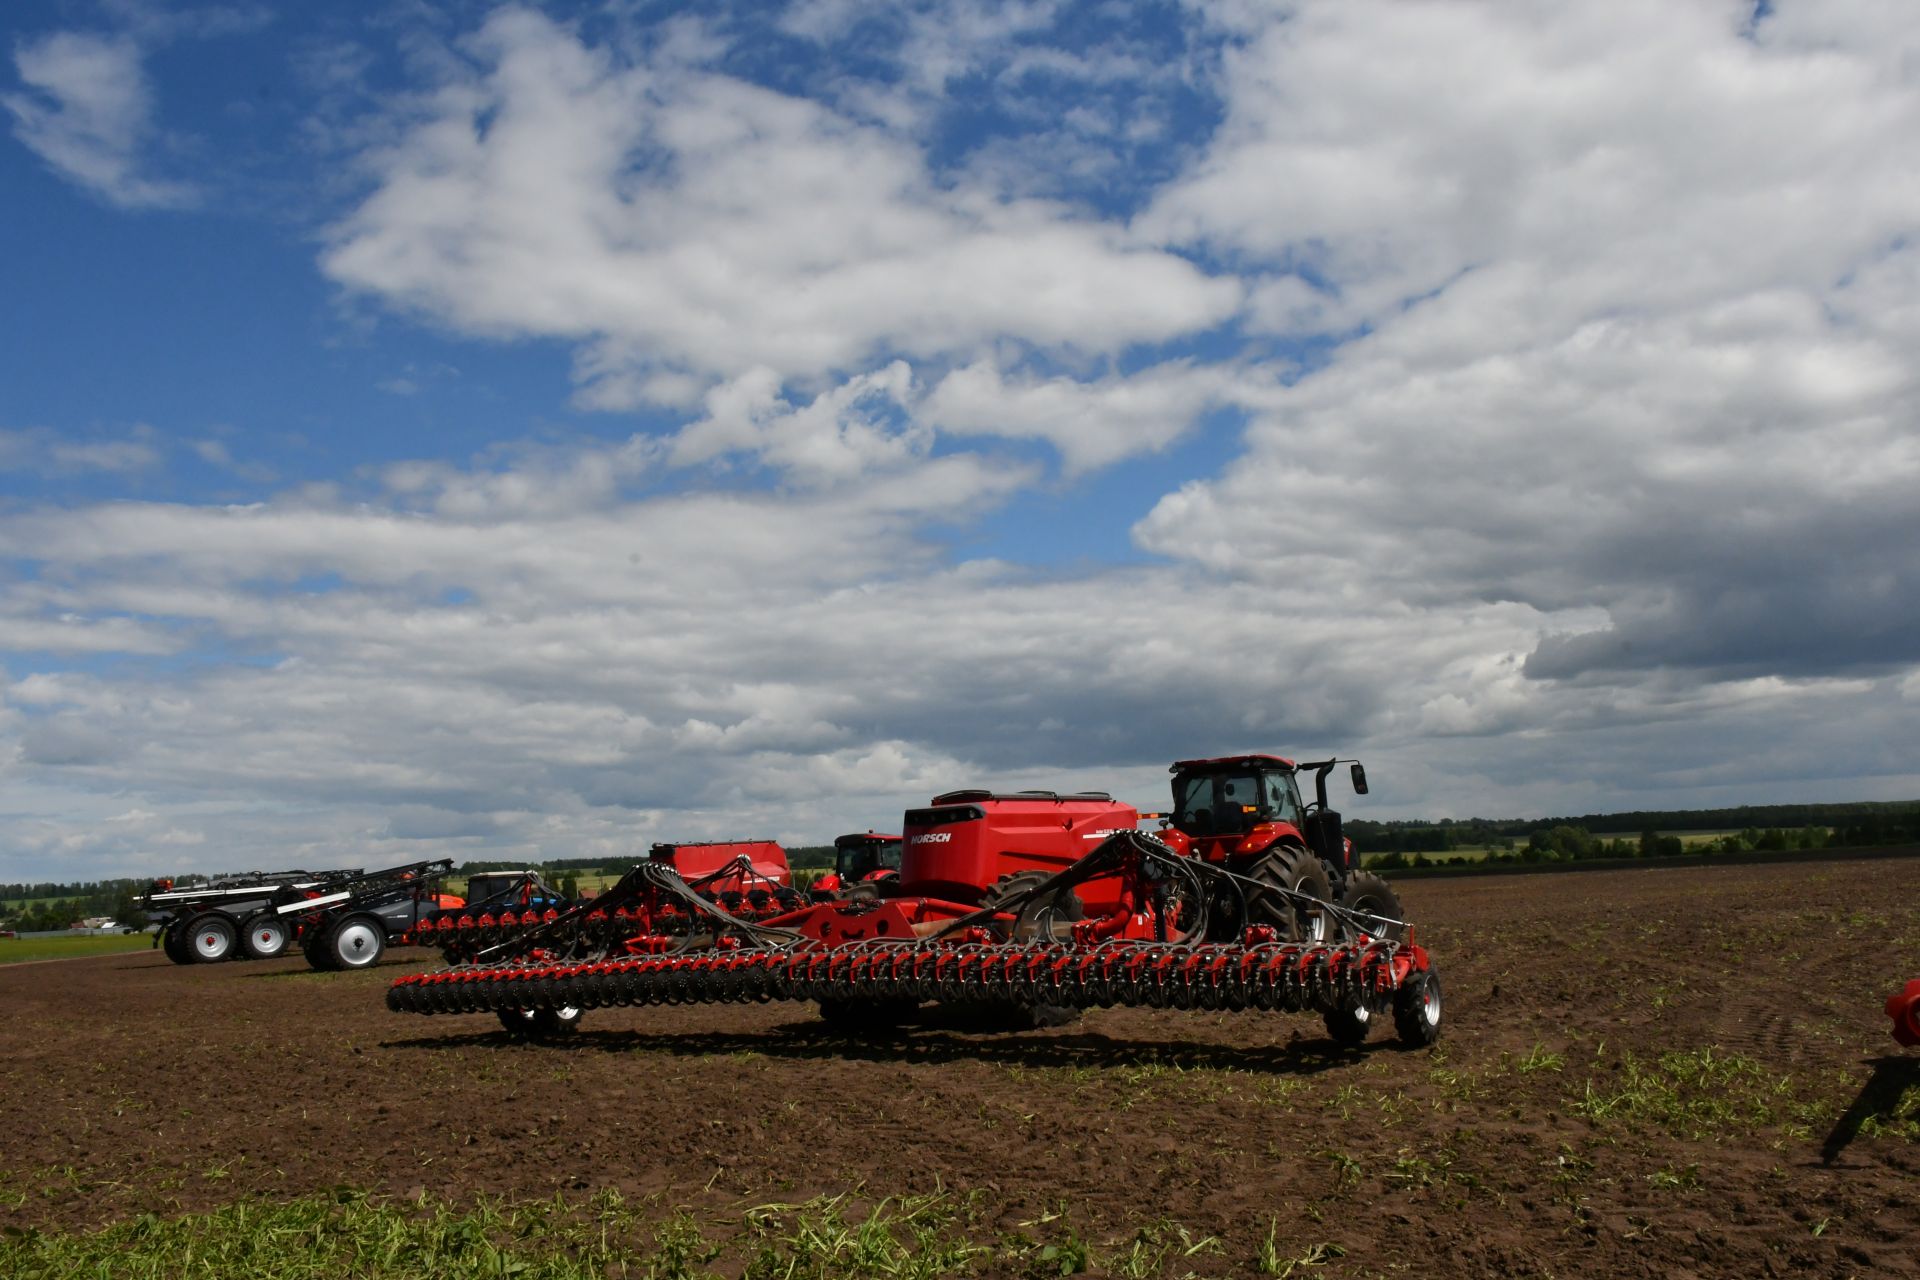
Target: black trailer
(347, 921)
(228, 917)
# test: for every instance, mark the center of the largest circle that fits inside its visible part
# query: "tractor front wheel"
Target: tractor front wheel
(174, 941)
(1369, 895)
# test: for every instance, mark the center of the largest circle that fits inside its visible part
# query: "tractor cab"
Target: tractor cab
(1219, 803)
(865, 856)
(512, 891)
(1232, 796)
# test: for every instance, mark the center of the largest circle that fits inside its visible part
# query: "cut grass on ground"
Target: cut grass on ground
(17, 950)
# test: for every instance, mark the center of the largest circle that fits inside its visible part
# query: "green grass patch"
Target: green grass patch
(1700, 1094)
(912, 1237)
(352, 1233)
(15, 950)
(333, 1235)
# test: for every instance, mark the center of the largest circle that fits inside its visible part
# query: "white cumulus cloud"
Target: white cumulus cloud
(687, 227)
(88, 112)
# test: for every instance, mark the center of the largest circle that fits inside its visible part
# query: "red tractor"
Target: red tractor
(862, 862)
(1031, 901)
(1246, 813)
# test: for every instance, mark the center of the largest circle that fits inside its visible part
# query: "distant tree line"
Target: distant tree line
(1569, 842)
(1862, 823)
(547, 868)
(35, 908)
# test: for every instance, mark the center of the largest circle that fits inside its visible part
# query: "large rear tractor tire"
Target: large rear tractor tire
(357, 942)
(265, 936)
(1368, 894)
(1416, 1010)
(211, 937)
(1292, 868)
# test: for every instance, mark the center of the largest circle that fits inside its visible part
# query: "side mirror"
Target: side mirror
(1359, 779)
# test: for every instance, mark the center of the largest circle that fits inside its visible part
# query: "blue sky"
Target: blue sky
(536, 430)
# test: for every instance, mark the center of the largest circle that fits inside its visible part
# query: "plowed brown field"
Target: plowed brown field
(1655, 1072)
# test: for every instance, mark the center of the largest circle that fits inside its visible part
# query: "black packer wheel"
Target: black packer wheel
(1350, 1027)
(1416, 1010)
(540, 1024)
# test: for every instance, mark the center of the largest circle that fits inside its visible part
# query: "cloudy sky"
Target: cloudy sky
(519, 430)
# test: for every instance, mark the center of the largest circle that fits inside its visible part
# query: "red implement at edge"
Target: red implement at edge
(1904, 1009)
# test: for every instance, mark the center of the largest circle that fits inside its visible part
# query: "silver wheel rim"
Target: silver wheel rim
(268, 939)
(1430, 1006)
(1313, 924)
(210, 944)
(356, 945)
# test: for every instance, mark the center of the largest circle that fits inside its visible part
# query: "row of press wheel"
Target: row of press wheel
(354, 941)
(887, 987)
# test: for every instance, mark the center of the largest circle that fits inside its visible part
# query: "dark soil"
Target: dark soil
(1654, 1072)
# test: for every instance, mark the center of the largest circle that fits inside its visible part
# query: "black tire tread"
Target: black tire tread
(1288, 866)
(1409, 1017)
(202, 920)
(1364, 891)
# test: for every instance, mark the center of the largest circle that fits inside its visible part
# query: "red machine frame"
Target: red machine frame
(1029, 899)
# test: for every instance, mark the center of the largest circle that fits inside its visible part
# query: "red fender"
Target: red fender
(1904, 1009)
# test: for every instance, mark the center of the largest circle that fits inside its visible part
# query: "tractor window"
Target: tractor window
(1231, 803)
(1282, 803)
(856, 862)
(1234, 794)
(1193, 804)
(850, 860)
(1216, 803)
